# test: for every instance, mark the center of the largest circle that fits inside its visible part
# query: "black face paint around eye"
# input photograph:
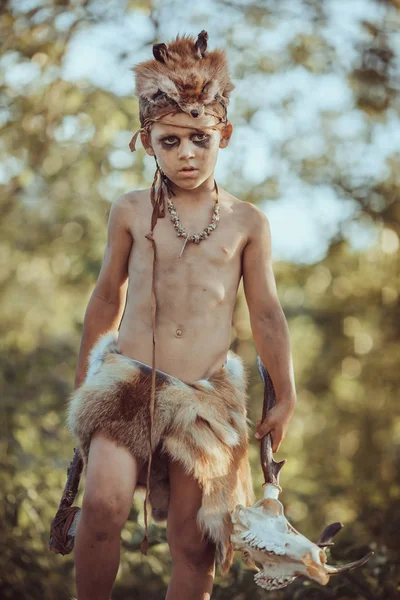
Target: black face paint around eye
(172, 140)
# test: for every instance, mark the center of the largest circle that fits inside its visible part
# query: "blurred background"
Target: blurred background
(316, 145)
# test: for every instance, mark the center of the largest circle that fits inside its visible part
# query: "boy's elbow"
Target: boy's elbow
(111, 294)
(267, 314)
(108, 298)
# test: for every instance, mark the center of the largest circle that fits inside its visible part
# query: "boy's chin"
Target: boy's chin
(187, 184)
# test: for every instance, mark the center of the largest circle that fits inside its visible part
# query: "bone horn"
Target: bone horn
(329, 532)
(270, 467)
(350, 566)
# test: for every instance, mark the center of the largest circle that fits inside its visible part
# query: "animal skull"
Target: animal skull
(266, 537)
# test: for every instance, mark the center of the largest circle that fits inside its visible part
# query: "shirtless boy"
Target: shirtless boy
(196, 294)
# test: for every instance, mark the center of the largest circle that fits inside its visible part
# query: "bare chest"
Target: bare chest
(210, 268)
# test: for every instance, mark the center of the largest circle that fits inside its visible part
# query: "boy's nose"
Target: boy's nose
(185, 150)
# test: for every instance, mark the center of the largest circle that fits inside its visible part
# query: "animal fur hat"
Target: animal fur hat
(183, 76)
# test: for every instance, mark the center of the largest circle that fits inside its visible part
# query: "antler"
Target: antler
(271, 470)
(270, 467)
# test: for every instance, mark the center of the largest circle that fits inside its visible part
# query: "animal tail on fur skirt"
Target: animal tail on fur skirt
(63, 526)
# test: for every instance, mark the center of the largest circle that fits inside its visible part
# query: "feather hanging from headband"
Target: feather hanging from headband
(184, 73)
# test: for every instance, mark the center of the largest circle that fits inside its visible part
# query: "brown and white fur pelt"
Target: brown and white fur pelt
(204, 425)
(186, 73)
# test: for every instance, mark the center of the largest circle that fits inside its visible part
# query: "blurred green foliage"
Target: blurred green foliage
(343, 444)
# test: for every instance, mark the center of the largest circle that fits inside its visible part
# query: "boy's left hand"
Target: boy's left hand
(276, 423)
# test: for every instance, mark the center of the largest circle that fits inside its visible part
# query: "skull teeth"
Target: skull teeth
(251, 539)
(271, 583)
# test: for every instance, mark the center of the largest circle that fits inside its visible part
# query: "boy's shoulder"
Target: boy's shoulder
(129, 199)
(250, 209)
(128, 203)
(255, 219)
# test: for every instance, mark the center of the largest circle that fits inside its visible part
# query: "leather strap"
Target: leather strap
(158, 202)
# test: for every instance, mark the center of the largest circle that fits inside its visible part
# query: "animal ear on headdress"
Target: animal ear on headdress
(201, 43)
(160, 52)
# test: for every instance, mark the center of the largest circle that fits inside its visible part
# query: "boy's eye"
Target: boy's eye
(171, 137)
(197, 137)
(203, 137)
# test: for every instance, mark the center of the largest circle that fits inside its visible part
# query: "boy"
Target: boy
(190, 267)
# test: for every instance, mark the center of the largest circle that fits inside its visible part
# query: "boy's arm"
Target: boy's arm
(107, 302)
(268, 324)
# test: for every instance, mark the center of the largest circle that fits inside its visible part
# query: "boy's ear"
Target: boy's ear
(146, 143)
(226, 133)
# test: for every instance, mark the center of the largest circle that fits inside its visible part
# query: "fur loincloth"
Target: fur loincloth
(203, 425)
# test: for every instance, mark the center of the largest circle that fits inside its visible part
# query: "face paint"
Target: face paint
(180, 147)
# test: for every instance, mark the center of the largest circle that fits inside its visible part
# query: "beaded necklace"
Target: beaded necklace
(195, 237)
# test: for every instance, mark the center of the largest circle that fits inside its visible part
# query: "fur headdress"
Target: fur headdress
(182, 77)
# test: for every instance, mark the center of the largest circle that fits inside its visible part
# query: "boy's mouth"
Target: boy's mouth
(188, 173)
(188, 169)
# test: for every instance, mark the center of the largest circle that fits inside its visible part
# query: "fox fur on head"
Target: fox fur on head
(185, 76)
